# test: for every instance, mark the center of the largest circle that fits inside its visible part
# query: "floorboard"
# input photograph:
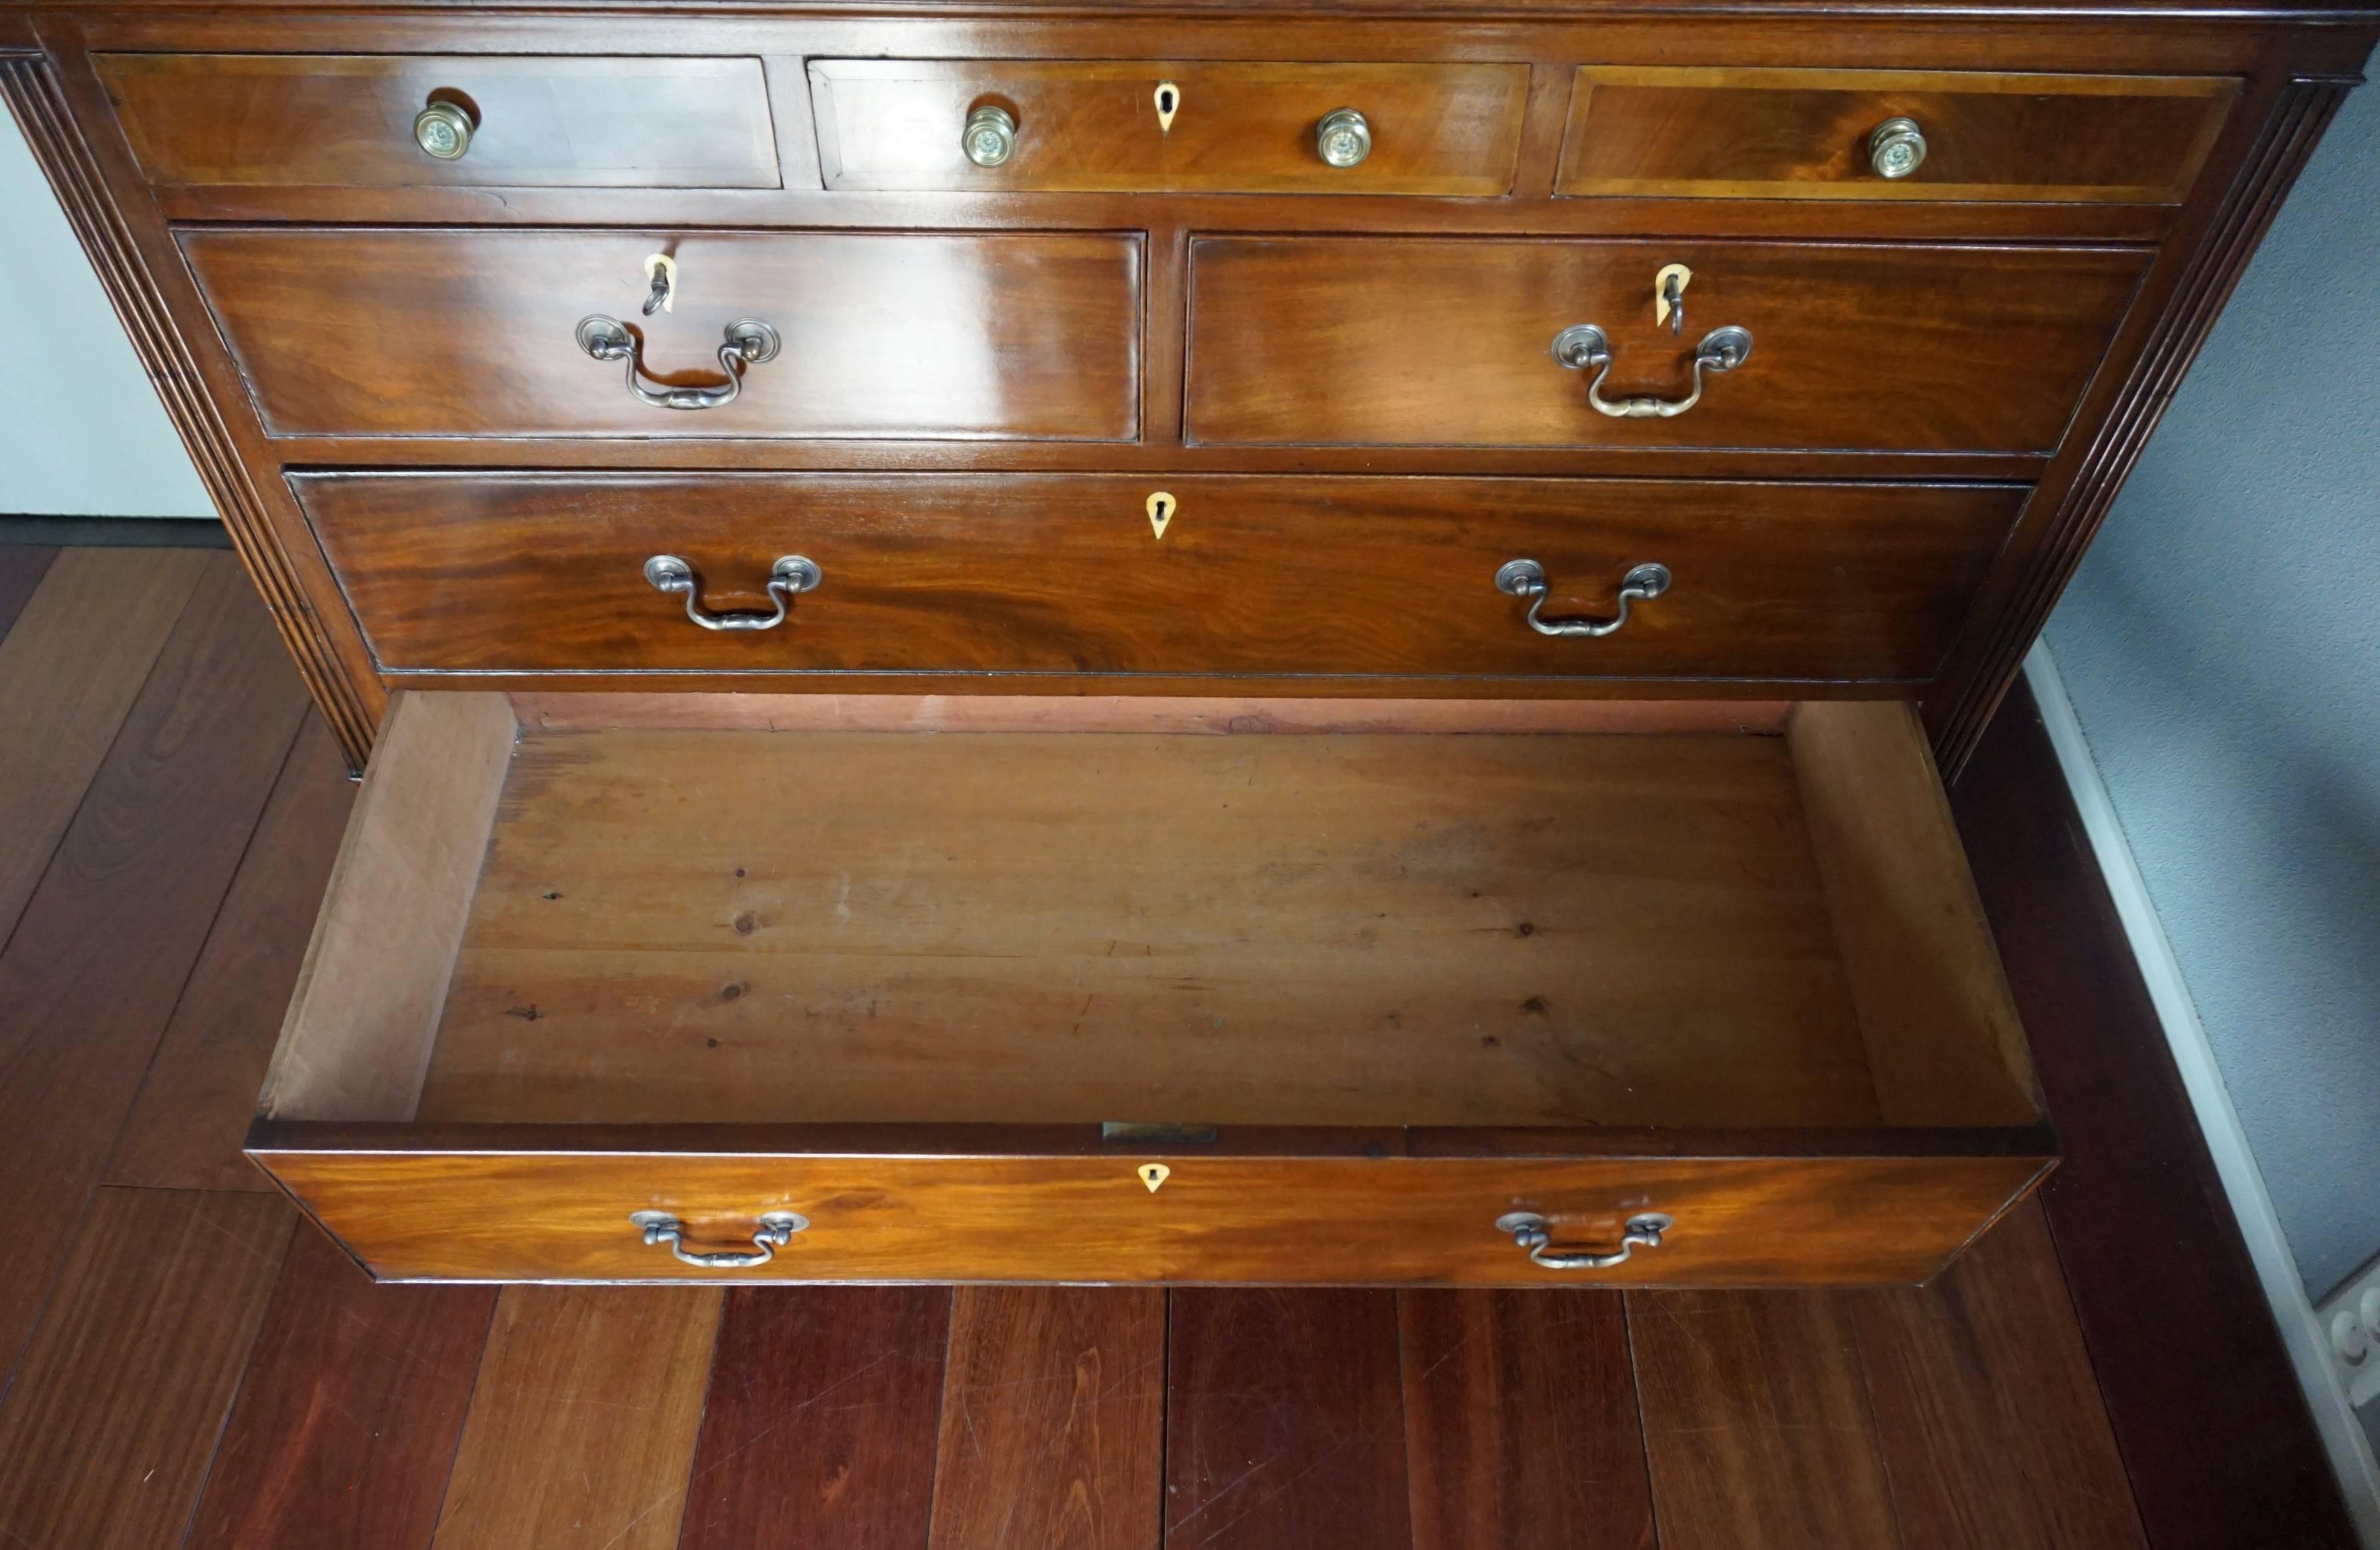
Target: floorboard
(1521, 1424)
(1284, 1422)
(101, 955)
(105, 1436)
(582, 1424)
(194, 1105)
(1758, 1424)
(70, 669)
(22, 567)
(2213, 1428)
(1993, 1433)
(820, 1425)
(1053, 1420)
(346, 1427)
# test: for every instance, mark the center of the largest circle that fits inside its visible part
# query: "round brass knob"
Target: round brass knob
(1343, 138)
(1896, 148)
(990, 136)
(443, 130)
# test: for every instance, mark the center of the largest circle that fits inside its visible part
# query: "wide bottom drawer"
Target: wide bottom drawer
(1650, 994)
(1076, 576)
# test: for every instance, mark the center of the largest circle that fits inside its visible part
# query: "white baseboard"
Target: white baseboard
(2350, 1451)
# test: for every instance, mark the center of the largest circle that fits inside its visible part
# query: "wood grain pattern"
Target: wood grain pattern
(22, 565)
(1053, 1420)
(347, 1422)
(1758, 1424)
(347, 120)
(1284, 1422)
(147, 858)
(1059, 928)
(582, 1424)
(66, 689)
(2138, 1202)
(1993, 1431)
(819, 1427)
(1116, 712)
(1092, 125)
(357, 1037)
(1521, 1426)
(1061, 575)
(105, 1435)
(1913, 940)
(883, 334)
(441, 1205)
(1803, 134)
(194, 1104)
(126, 253)
(1446, 342)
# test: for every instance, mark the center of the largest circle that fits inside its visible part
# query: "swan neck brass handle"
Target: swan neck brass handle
(748, 341)
(792, 574)
(1896, 148)
(1532, 1233)
(1583, 345)
(1527, 578)
(776, 1230)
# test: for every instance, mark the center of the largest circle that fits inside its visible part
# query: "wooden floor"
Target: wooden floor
(189, 1366)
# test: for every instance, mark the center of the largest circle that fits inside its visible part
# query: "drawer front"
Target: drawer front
(1232, 129)
(564, 1215)
(1065, 574)
(1831, 134)
(350, 120)
(451, 333)
(1384, 341)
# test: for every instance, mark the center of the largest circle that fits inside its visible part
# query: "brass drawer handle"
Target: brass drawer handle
(1529, 1231)
(989, 138)
(1896, 148)
(792, 574)
(777, 1230)
(1527, 578)
(442, 130)
(747, 340)
(1343, 138)
(1583, 345)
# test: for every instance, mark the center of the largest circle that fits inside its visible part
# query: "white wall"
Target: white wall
(83, 433)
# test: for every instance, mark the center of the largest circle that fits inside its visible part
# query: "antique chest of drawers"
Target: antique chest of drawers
(1214, 642)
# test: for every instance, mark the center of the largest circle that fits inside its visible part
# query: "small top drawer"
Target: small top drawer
(1890, 134)
(1135, 125)
(405, 121)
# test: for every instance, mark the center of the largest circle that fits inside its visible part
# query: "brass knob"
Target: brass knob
(1343, 138)
(990, 136)
(1896, 148)
(443, 130)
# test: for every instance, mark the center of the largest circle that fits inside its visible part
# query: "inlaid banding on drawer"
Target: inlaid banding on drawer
(1452, 342)
(458, 333)
(349, 120)
(1064, 575)
(1127, 126)
(1814, 134)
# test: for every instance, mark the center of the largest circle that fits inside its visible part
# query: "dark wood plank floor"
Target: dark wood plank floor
(186, 1365)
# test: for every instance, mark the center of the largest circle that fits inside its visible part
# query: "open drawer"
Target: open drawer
(625, 988)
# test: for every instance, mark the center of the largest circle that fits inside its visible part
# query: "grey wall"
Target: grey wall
(2222, 647)
(83, 434)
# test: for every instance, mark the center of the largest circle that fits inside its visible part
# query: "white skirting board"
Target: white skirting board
(2243, 1182)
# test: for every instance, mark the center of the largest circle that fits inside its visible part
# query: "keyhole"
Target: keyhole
(1153, 1174)
(1168, 97)
(1160, 512)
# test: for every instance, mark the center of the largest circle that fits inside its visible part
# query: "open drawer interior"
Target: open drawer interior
(1154, 918)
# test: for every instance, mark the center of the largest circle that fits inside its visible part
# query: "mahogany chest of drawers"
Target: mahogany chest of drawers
(1226, 642)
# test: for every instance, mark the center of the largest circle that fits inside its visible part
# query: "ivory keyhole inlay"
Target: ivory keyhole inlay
(1154, 1175)
(1161, 507)
(1168, 99)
